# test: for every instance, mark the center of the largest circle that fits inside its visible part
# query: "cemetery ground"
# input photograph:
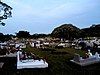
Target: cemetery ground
(58, 61)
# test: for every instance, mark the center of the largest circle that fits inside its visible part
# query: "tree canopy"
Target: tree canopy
(92, 31)
(5, 12)
(66, 31)
(35, 36)
(5, 37)
(23, 34)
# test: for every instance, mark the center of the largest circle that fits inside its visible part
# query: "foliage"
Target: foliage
(35, 36)
(5, 37)
(5, 12)
(67, 31)
(58, 64)
(93, 31)
(23, 34)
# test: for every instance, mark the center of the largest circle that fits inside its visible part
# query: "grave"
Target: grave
(30, 63)
(92, 59)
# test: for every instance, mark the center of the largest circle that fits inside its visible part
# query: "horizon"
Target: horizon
(43, 16)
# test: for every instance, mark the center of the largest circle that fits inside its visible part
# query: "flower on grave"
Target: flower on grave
(34, 56)
(87, 54)
(21, 56)
(30, 56)
(44, 60)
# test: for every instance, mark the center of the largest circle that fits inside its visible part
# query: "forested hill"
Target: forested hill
(66, 31)
(92, 31)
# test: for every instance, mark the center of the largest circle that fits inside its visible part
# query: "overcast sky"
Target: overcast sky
(42, 16)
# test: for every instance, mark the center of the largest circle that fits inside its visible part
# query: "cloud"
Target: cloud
(70, 9)
(67, 9)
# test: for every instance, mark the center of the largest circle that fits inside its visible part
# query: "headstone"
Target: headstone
(18, 60)
(90, 54)
(1, 64)
(97, 55)
(77, 57)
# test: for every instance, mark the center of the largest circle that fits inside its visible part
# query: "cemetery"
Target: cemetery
(56, 59)
(67, 50)
(48, 59)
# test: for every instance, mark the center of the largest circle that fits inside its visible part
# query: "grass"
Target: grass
(58, 60)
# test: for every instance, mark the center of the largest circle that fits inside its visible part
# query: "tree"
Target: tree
(66, 31)
(23, 34)
(1, 36)
(35, 36)
(5, 12)
(5, 37)
(92, 31)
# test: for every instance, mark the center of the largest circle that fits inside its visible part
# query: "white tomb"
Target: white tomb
(30, 63)
(9, 55)
(88, 61)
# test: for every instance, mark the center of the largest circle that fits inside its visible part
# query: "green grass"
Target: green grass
(59, 64)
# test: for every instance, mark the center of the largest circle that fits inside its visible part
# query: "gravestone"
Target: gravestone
(97, 55)
(1, 64)
(77, 57)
